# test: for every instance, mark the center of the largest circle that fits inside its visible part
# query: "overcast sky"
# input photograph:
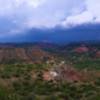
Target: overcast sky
(18, 15)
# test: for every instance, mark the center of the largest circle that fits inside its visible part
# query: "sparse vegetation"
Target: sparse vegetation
(72, 75)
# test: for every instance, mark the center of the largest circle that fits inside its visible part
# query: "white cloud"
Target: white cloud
(8, 7)
(90, 15)
(93, 6)
(52, 12)
(84, 17)
(48, 13)
(36, 13)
